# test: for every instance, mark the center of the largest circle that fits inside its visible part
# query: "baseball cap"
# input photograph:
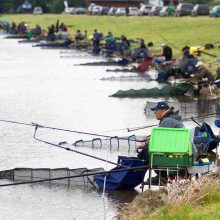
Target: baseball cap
(160, 105)
(163, 45)
(199, 64)
(185, 48)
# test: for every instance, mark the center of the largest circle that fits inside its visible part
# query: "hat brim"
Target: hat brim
(153, 109)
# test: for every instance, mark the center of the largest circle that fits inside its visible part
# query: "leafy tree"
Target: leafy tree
(6, 6)
(198, 1)
(17, 3)
(77, 3)
(57, 6)
(41, 3)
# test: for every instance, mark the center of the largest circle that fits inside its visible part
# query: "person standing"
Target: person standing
(97, 36)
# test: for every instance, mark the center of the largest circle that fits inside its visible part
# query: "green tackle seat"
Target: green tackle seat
(170, 147)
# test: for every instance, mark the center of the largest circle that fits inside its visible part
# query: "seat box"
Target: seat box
(170, 147)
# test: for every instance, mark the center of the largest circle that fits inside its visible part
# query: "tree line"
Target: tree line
(48, 6)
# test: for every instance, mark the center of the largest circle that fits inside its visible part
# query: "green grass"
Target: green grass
(207, 209)
(177, 32)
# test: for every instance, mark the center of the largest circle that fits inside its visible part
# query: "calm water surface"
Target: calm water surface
(40, 86)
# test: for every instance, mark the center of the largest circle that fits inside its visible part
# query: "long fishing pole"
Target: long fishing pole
(211, 55)
(185, 119)
(66, 130)
(75, 176)
(158, 33)
(95, 134)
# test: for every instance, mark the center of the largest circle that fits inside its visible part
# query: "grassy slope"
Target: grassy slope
(177, 31)
(197, 200)
(208, 209)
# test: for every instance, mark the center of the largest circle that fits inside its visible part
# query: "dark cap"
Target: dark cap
(185, 48)
(160, 105)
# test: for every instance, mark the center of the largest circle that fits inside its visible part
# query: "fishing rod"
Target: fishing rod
(210, 83)
(211, 55)
(196, 122)
(185, 119)
(69, 149)
(77, 176)
(209, 131)
(68, 130)
(158, 33)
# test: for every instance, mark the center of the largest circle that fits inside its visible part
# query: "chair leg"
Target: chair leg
(150, 176)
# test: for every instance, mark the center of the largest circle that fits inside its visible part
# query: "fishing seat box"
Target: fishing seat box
(170, 147)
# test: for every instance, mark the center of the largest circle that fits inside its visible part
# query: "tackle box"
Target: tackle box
(170, 147)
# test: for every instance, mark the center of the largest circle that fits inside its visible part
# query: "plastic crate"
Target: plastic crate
(170, 147)
(171, 160)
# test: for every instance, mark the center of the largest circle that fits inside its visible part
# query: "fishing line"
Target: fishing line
(100, 135)
(75, 176)
(185, 119)
(106, 168)
(66, 130)
(158, 33)
(117, 24)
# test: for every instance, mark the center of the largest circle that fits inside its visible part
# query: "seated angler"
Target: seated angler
(51, 33)
(109, 37)
(124, 47)
(203, 80)
(78, 36)
(167, 52)
(37, 31)
(187, 63)
(203, 73)
(168, 118)
(141, 52)
(97, 36)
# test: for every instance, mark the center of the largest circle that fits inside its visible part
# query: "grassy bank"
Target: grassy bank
(176, 31)
(193, 201)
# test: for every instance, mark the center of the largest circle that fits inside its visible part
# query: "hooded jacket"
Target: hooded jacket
(171, 119)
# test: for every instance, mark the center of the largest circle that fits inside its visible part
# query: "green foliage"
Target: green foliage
(17, 3)
(177, 32)
(6, 6)
(53, 6)
(76, 3)
(208, 212)
(43, 4)
(57, 6)
(212, 196)
(208, 208)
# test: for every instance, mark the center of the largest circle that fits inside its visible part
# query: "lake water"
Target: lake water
(48, 87)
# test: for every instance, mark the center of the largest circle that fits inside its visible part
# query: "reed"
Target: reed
(184, 200)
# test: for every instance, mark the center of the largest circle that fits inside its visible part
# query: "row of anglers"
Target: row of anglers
(188, 66)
